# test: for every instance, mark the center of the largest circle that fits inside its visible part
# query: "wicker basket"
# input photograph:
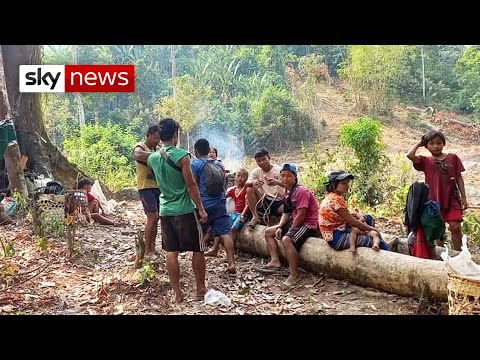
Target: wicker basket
(463, 295)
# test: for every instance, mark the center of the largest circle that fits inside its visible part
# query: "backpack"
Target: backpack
(416, 198)
(214, 178)
(432, 223)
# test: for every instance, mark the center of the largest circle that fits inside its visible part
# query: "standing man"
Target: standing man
(148, 189)
(179, 220)
(210, 176)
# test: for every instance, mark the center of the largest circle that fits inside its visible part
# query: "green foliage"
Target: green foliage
(276, 121)
(243, 90)
(468, 72)
(315, 174)
(190, 105)
(49, 224)
(394, 182)
(42, 243)
(104, 152)
(333, 56)
(313, 71)
(373, 72)
(7, 247)
(147, 273)
(471, 226)
(23, 205)
(363, 136)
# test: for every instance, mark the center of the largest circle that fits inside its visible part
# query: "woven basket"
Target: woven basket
(54, 205)
(463, 295)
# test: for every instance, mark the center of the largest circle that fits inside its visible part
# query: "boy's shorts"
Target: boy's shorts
(236, 223)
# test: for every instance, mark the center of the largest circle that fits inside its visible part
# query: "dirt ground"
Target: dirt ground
(101, 279)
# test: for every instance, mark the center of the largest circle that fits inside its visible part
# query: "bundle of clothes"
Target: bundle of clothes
(423, 221)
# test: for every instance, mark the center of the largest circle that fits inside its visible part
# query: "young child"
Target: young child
(444, 179)
(375, 235)
(240, 215)
(213, 153)
(94, 206)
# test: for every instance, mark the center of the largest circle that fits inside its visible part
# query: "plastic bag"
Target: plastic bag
(9, 204)
(107, 205)
(462, 264)
(230, 205)
(411, 238)
(214, 297)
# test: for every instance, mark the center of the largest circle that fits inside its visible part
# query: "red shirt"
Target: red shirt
(302, 198)
(90, 197)
(440, 179)
(238, 199)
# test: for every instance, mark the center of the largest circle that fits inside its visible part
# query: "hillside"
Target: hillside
(400, 131)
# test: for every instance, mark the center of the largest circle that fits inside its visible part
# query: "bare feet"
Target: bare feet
(273, 264)
(200, 295)
(253, 223)
(151, 256)
(375, 247)
(213, 253)
(178, 297)
(231, 269)
(352, 249)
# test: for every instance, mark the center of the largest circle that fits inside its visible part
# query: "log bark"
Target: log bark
(383, 270)
(403, 248)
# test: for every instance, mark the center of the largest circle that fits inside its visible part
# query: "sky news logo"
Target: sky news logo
(77, 78)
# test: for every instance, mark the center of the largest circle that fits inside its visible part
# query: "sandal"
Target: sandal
(291, 283)
(270, 270)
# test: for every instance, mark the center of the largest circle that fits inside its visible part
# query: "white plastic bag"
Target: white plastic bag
(107, 205)
(230, 205)
(462, 264)
(214, 297)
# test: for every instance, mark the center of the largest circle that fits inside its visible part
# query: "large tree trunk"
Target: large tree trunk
(12, 152)
(384, 270)
(43, 157)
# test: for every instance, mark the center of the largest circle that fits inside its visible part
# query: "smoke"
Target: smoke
(230, 148)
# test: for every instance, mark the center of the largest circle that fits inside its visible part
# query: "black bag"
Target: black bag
(214, 178)
(416, 198)
(52, 187)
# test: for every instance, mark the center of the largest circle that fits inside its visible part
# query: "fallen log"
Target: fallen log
(383, 270)
(402, 248)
